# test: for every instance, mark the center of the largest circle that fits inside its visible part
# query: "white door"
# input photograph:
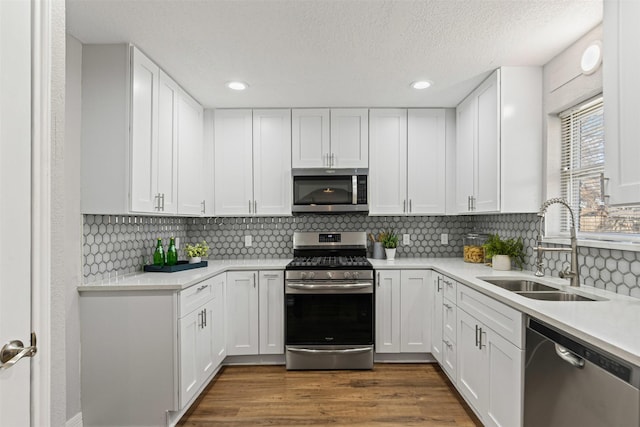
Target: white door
(15, 209)
(189, 327)
(233, 167)
(349, 138)
(190, 151)
(165, 171)
(415, 314)
(388, 171)
(271, 311)
(310, 138)
(436, 316)
(487, 161)
(218, 319)
(242, 315)
(426, 161)
(272, 162)
(465, 146)
(472, 365)
(388, 311)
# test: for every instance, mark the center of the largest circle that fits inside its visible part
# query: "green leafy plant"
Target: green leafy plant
(389, 239)
(197, 250)
(514, 248)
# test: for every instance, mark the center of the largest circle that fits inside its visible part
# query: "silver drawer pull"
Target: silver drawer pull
(201, 288)
(330, 287)
(343, 351)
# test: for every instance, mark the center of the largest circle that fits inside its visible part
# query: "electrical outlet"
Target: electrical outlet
(248, 241)
(444, 239)
(406, 239)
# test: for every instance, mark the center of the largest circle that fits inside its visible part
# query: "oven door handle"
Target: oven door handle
(340, 351)
(336, 287)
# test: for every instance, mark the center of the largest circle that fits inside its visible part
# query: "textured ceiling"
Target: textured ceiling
(338, 53)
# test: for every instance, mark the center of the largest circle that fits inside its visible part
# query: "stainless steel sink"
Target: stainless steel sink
(555, 296)
(520, 285)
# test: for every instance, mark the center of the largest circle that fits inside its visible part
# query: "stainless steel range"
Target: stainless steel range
(329, 302)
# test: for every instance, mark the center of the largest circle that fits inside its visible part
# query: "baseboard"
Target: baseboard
(75, 421)
(404, 358)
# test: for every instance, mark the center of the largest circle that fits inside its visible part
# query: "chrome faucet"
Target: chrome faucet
(571, 273)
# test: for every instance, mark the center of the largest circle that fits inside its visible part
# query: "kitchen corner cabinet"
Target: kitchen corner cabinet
(621, 65)
(407, 150)
(490, 368)
(437, 298)
(252, 162)
(255, 321)
(325, 138)
(499, 143)
(190, 152)
(403, 301)
(132, 132)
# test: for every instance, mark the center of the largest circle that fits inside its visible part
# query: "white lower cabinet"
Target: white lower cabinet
(255, 307)
(436, 317)
(403, 311)
(489, 367)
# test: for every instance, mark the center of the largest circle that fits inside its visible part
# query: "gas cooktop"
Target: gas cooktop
(332, 262)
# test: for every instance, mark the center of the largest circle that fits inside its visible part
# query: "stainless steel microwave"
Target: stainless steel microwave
(330, 190)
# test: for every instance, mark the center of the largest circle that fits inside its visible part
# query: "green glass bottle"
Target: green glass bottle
(172, 253)
(158, 254)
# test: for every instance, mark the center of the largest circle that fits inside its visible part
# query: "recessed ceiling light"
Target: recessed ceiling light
(591, 58)
(237, 85)
(421, 84)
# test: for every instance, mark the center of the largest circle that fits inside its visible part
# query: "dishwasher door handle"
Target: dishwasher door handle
(569, 357)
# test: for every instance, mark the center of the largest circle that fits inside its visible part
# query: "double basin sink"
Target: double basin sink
(536, 290)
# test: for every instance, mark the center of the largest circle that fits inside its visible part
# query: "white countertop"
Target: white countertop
(609, 324)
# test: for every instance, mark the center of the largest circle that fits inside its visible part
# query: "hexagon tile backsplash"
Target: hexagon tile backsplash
(123, 244)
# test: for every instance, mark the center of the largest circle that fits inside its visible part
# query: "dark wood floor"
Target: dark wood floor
(389, 395)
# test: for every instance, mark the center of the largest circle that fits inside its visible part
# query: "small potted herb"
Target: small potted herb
(196, 252)
(503, 251)
(389, 240)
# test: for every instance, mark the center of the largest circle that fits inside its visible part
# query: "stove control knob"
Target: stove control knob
(348, 275)
(356, 274)
(329, 275)
(303, 275)
(311, 275)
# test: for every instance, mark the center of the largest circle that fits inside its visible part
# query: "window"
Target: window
(582, 174)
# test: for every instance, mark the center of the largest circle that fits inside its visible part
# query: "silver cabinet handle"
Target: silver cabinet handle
(439, 287)
(254, 280)
(410, 207)
(480, 345)
(448, 344)
(157, 201)
(342, 351)
(378, 279)
(477, 339)
(204, 317)
(249, 206)
(333, 159)
(448, 306)
(468, 203)
(335, 287)
(203, 204)
(404, 206)
(255, 207)
(201, 288)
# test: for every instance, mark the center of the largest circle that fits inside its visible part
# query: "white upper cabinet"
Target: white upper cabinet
(335, 138)
(252, 162)
(272, 162)
(208, 164)
(310, 138)
(499, 144)
(233, 167)
(190, 152)
(621, 66)
(132, 130)
(408, 161)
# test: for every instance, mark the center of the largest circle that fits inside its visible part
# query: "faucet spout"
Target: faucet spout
(573, 272)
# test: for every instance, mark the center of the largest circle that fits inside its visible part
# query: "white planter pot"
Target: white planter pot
(390, 252)
(195, 260)
(501, 262)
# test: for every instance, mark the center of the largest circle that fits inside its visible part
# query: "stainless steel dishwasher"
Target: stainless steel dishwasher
(571, 383)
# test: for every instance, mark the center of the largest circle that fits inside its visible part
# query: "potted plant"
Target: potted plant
(196, 252)
(503, 251)
(389, 240)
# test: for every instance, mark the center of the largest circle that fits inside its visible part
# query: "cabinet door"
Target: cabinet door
(189, 327)
(233, 162)
(242, 318)
(415, 314)
(472, 365)
(504, 388)
(190, 152)
(449, 321)
(218, 330)
(465, 146)
(622, 100)
(272, 162)
(310, 138)
(206, 357)
(144, 133)
(388, 311)
(388, 171)
(426, 161)
(207, 162)
(167, 167)
(487, 152)
(350, 138)
(436, 316)
(271, 286)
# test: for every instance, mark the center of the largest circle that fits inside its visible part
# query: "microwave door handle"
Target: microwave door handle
(354, 193)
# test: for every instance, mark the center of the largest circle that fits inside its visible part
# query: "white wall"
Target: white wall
(564, 86)
(72, 221)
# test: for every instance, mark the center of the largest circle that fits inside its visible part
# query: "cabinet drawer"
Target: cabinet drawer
(502, 319)
(196, 295)
(450, 287)
(450, 359)
(449, 320)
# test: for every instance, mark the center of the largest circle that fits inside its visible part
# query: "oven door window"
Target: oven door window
(321, 190)
(329, 319)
